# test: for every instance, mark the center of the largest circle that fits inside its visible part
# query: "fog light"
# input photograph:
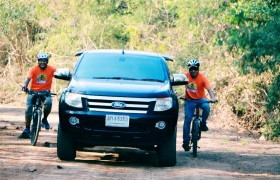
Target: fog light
(74, 120)
(160, 125)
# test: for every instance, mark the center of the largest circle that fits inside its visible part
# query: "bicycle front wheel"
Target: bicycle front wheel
(195, 131)
(36, 126)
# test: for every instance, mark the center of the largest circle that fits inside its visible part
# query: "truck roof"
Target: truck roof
(120, 51)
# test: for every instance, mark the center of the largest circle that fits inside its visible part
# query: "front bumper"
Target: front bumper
(91, 130)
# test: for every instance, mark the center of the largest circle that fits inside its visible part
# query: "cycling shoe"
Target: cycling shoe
(186, 146)
(203, 127)
(25, 134)
(45, 124)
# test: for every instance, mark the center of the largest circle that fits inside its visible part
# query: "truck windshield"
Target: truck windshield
(121, 66)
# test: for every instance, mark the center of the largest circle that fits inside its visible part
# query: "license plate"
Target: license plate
(117, 121)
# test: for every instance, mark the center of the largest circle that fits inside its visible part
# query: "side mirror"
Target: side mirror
(179, 79)
(63, 73)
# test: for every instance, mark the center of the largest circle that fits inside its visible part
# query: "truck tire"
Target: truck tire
(65, 146)
(167, 151)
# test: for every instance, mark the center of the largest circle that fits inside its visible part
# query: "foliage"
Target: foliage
(253, 33)
(271, 129)
(18, 27)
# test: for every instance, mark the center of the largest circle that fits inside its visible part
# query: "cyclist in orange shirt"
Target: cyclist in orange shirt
(41, 77)
(194, 95)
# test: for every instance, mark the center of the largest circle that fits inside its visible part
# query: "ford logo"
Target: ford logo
(118, 104)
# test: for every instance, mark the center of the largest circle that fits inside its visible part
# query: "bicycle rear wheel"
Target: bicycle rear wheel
(195, 131)
(36, 126)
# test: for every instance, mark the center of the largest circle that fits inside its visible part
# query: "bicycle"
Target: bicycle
(37, 101)
(195, 127)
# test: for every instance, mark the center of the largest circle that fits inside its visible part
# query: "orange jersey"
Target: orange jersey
(41, 80)
(195, 89)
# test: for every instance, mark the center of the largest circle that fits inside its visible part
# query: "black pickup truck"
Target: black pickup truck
(119, 98)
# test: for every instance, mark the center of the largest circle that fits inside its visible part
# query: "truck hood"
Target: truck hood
(122, 88)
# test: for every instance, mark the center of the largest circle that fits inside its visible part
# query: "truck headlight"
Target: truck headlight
(73, 99)
(163, 104)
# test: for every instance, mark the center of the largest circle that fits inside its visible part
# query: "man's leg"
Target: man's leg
(189, 107)
(205, 114)
(47, 110)
(28, 116)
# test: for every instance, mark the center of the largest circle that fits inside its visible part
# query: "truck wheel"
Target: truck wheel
(167, 151)
(65, 146)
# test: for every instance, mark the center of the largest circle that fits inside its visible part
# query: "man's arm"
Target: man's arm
(212, 95)
(25, 84)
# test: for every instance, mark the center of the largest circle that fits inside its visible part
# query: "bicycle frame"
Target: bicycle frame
(195, 127)
(197, 117)
(195, 131)
(36, 114)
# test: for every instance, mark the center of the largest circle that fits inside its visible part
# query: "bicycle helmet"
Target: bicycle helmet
(193, 63)
(43, 56)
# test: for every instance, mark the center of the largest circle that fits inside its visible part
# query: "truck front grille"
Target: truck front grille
(131, 105)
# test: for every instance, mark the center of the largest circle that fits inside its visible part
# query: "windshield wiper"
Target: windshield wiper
(126, 78)
(156, 80)
(129, 78)
(118, 78)
(99, 77)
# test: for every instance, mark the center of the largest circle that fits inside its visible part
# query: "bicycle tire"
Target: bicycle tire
(195, 131)
(36, 126)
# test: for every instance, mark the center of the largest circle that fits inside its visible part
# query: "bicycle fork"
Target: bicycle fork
(195, 131)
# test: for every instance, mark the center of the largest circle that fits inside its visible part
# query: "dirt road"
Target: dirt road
(226, 152)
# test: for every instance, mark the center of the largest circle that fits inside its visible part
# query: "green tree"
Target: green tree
(253, 32)
(18, 28)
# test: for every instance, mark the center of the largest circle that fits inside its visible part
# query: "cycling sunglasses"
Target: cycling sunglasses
(43, 60)
(194, 69)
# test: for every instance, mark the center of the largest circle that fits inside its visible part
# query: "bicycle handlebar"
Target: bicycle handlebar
(206, 101)
(29, 91)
